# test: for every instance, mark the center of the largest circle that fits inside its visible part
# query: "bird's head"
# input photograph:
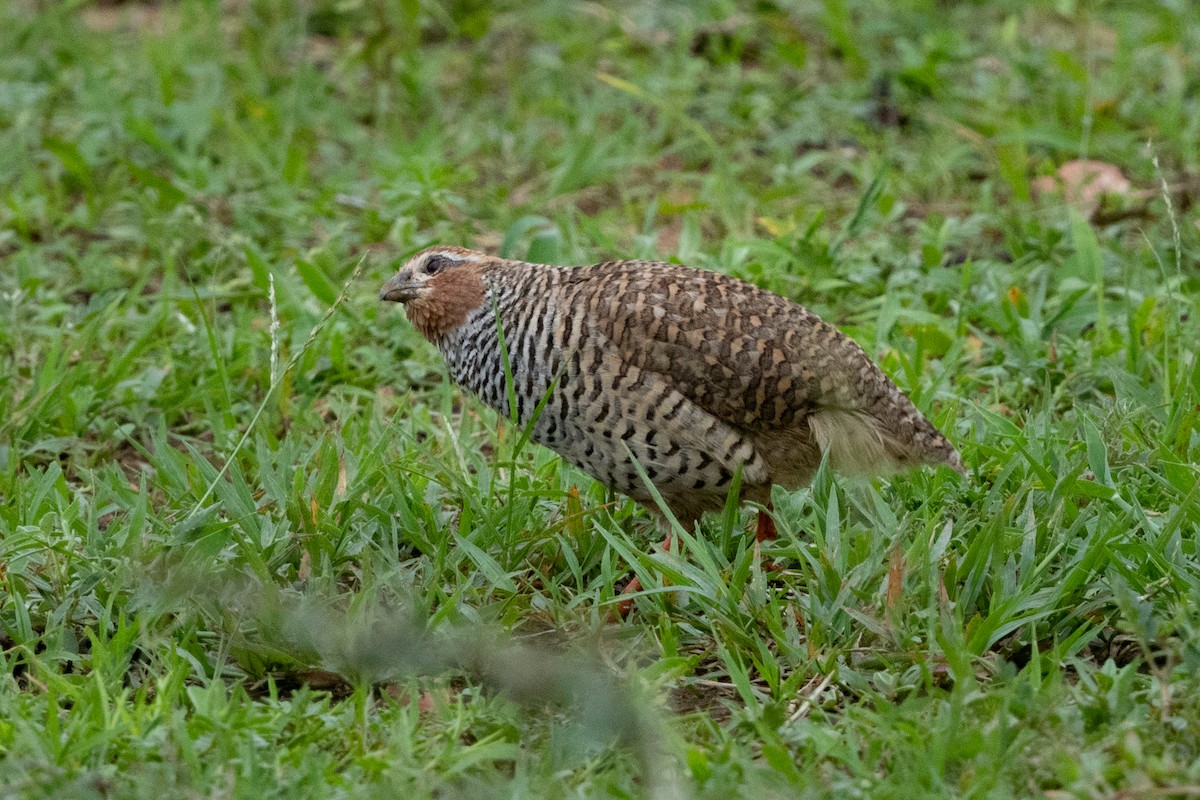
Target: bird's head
(439, 287)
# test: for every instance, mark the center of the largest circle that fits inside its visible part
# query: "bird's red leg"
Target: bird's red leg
(765, 532)
(635, 585)
(766, 526)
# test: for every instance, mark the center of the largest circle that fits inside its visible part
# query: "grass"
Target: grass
(387, 592)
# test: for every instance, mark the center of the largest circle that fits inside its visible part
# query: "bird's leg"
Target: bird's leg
(765, 532)
(635, 585)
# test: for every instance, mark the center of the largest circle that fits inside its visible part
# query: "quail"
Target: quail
(694, 374)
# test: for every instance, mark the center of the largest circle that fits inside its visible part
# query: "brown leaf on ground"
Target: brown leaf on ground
(1084, 184)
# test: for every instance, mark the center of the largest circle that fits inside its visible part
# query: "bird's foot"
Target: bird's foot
(765, 530)
(626, 604)
(635, 585)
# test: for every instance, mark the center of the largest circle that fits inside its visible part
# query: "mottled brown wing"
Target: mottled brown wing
(760, 363)
(749, 357)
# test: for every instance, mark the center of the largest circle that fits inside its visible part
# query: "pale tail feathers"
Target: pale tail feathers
(859, 444)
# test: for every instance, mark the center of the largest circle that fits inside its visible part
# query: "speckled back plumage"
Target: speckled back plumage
(695, 373)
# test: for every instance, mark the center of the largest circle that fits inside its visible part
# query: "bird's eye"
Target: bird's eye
(435, 264)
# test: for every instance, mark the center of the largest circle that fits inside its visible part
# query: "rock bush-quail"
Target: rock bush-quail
(694, 373)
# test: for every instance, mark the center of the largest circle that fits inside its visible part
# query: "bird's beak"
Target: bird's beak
(400, 289)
